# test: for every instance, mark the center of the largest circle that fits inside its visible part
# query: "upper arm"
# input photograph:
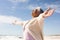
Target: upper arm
(40, 17)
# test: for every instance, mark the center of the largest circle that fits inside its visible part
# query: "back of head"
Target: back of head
(36, 12)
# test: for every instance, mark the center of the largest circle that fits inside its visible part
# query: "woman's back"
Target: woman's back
(33, 28)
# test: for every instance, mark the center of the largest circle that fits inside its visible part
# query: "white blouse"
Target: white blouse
(34, 27)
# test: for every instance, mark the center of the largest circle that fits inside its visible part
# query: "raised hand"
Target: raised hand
(48, 12)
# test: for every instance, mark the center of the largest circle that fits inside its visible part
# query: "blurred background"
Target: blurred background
(21, 10)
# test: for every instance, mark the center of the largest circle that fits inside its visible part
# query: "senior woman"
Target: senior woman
(33, 28)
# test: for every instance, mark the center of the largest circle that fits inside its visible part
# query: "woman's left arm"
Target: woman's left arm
(48, 12)
(16, 22)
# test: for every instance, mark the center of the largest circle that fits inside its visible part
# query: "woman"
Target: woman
(33, 29)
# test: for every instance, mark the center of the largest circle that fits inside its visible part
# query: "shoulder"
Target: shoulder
(40, 17)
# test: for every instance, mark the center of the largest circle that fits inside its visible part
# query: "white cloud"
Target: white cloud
(31, 7)
(58, 10)
(8, 19)
(13, 8)
(15, 1)
(44, 6)
(56, 6)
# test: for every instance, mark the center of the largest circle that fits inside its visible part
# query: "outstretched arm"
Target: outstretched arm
(16, 22)
(48, 12)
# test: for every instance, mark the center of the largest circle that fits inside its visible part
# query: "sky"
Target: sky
(21, 10)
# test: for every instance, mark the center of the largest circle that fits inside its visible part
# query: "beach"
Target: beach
(20, 38)
(51, 37)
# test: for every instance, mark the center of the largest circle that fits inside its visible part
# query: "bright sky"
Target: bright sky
(21, 10)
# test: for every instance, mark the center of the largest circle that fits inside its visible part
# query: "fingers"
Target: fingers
(48, 12)
(45, 12)
(48, 9)
(51, 11)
